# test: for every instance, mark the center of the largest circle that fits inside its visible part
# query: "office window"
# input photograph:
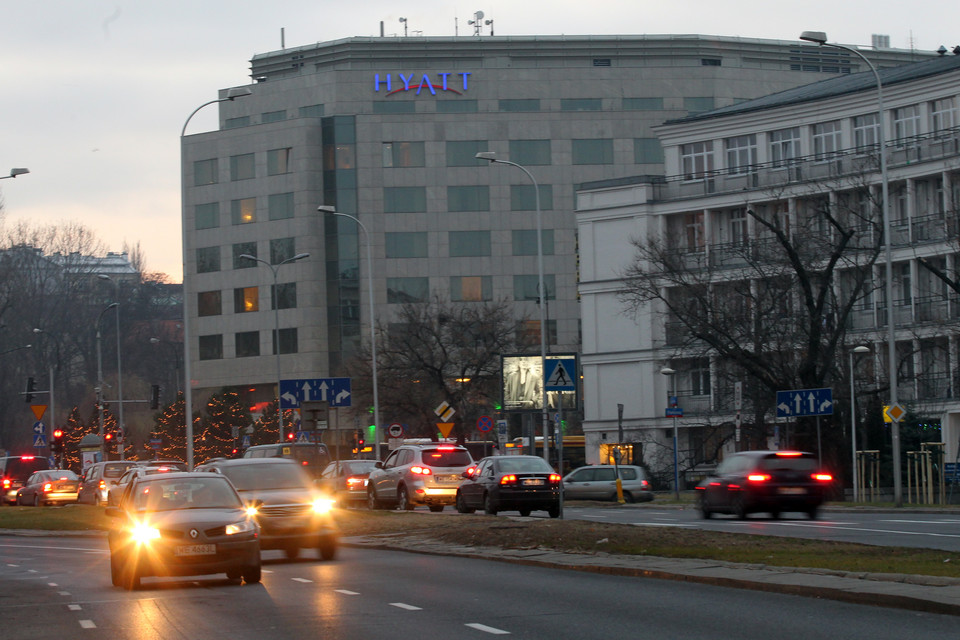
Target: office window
(234, 123)
(906, 123)
(282, 249)
(738, 226)
(697, 105)
(246, 299)
(866, 132)
(403, 290)
(599, 151)
(647, 151)
(243, 211)
(278, 161)
(468, 198)
(710, 62)
(471, 288)
(209, 303)
(696, 160)
(525, 242)
(469, 243)
(462, 153)
(273, 116)
(943, 114)
(827, 141)
(643, 104)
(580, 104)
(241, 167)
(700, 377)
(523, 197)
(207, 215)
(288, 341)
(248, 344)
(404, 154)
(519, 105)
(211, 347)
(404, 199)
(529, 332)
(526, 287)
(280, 206)
(784, 146)
(457, 106)
(208, 259)
(404, 106)
(284, 296)
(741, 154)
(693, 228)
(406, 244)
(244, 248)
(530, 152)
(205, 172)
(312, 111)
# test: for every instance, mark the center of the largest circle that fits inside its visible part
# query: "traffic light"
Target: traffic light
(56, 442)
(360, 439)
(155, 397)
(31, 387)
(108, 437)
(291, 435)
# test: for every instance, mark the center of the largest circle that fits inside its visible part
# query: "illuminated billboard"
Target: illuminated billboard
(522, 376)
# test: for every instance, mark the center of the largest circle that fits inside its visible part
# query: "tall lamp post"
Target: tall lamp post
(491, 156)
(373, 328)
(100, 377)
(16, 171)
(232, 94)
(853, 420)
(123, 426)
(667, 371)
(820, 38)
(276, 320)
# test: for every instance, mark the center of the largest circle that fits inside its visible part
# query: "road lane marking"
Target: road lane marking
(346, 592)
(663, 524)
(403, 605)
(924, 521)
(87, 624)
(483, 627)
(64, 593)
(891, 531)
(51, 584)
(301, 580)
(74, 607)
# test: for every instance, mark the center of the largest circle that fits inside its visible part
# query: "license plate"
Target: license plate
(196, 549)
(791, 491)
(448, 478)
(531, 482)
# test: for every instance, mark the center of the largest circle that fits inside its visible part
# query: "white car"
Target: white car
(418, 474)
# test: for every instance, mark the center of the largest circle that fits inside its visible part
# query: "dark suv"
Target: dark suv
(14, 471)
(418, 474)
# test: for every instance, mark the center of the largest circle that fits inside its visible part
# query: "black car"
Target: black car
(770, 481)
(182, 524)
(508, 483)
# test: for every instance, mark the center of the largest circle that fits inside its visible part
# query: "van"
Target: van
(14, 471)
(312, 456)
(99, 478)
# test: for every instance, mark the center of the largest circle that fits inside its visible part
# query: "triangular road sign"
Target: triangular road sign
(445, 428)
(39, 410)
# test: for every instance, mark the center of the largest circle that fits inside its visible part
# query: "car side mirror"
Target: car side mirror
(379, 464)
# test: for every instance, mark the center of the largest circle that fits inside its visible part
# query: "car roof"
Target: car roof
(246, 461)
(772, 452)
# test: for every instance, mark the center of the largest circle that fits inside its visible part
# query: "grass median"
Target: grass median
(574, 536)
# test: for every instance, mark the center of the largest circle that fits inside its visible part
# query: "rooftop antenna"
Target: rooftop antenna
(477, 22)
(489, 22)
(283, 39)
(404, 21)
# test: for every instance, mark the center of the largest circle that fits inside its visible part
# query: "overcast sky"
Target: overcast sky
(95, 92)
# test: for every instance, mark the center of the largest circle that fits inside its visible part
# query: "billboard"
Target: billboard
(522, 376)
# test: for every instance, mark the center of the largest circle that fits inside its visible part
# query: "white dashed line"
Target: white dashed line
(402, 605)
(301, 580)
(74, 607)
(64, 593)
(346, 592)
(51, 584)
(483, 627)
(87, 624)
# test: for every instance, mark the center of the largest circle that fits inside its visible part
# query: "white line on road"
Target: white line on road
(87, 624)
(924, 521)
(64, 593)
(346, 592)
(51, 584)
(483, 627)
(664, 524)
(74, 607)
(823, 525)
(301, 580)
(403, 605)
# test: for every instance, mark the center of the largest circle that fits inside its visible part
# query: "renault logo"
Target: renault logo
(194, 533)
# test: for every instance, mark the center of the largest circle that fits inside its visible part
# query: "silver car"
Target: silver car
(599, 482)
(418, 474)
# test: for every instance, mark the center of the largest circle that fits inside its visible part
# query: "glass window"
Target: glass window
(208, 259)
(697, 105)
(519, 104)
(403, 290)
(529, 332)
(784, 146)
(285, 296)
(647, 151)
(280, 206)
(906, 123)
(457, 106)
(700, 377)
(693, 227)
(526, 287)
(211, 347)
(248, 344)
(580, 104)
(741, 154)
(530, 152)
(404, 199)
(469, 244)
(312, 111)
(241, 167)
(696, 160)
(205, 172)
(462, 153)
(404, 106)
(471, 288)
(233, 123)
(243, 211)
(468, 198)
(288, 341)
(282, 249)
(278, 161)
(406, 244)
(598, 151)
(207, 215)
(866, 132)
(273, 116)
(525, 242)
(244, 248)
(246, 299)
(943, 114)
(403, 154)
(827, 141)
(523, 197)
(643, 104)
(208, 303)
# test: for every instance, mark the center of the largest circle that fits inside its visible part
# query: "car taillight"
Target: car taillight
(788, 454)
(644, 483)
(103, 485)
(555, 478)
(354, 482)
(822, 477)
(470, 471)
(6, 483)
(47, 487)
(758, 477)
(508, 479)
(422, 471)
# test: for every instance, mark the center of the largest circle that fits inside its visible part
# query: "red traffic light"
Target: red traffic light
(291, 435)
(108, 436)
(57, 434)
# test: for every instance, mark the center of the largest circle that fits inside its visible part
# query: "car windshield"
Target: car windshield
(258, 477)
(64, 474)
(446, 457)
(167, 494)
(508, 465)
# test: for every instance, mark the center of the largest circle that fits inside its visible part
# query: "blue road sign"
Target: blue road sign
(804, 402)
(560, 374)
(39, 440)
(39, 427)
(674, 412)
(335, 391)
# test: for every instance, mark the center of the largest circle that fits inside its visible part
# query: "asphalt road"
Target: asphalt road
(60, 588)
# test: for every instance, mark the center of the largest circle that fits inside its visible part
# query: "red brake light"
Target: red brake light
(354, 481)
(555, 478)
(508, 479)
(47, 487)
(822, 477)
(789, 454)
(446, 448)
(758, 477)
(6, 483)
(27, 457)
(644, 483)
(423, 471)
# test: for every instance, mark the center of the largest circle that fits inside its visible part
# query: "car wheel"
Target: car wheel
(628, 497)
(524, 513)
(403, 500)
(461, 505)
(739, 509)
(234, 575)
(372, 502)
(554, 511)
(251, 574)
(291, 551)
(126, 573)
(705, 511)
(327, 549)
(489, 507)
(812, 513)
(36, 501)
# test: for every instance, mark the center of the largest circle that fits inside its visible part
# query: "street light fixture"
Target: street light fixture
(853, 419)
(276, 320)
(123, 427)
(667, 371)
(820, 38)
(232, 94)
(16, 171)
(491, 156)
(373, 329)
(100, 377)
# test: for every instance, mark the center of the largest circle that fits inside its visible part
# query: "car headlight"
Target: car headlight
(239, 527)
(322, 505)
(252, 511)
(143, 533)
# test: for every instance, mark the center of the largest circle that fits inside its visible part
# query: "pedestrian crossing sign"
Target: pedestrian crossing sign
(560, 374)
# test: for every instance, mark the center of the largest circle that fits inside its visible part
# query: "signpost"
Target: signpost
(335, 392)
(806, 402)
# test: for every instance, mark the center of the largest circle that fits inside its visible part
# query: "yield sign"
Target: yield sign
(39, 410)
(445, 428)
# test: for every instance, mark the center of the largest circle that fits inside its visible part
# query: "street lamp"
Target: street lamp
(232, 94)
(853, 419)
(491, 156)
(276, 319)
(100, 376)
(16, 171)
(373, 329)
(123, 426)
(820, 38)
(667, 371)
